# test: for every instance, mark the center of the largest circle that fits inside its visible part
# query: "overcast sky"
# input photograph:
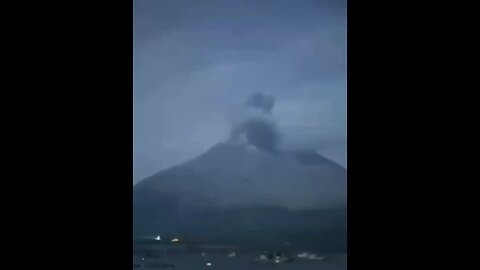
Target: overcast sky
(196, 62)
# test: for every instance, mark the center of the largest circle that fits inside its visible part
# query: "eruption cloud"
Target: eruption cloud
(258, 127)
(263, 102)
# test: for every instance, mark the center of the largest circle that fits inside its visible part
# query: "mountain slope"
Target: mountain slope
(236, 193)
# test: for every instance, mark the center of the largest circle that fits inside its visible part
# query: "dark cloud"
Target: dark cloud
(259, 130)
(263, 102)
(262, 134)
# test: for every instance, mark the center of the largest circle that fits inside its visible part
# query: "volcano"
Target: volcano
(237, 194)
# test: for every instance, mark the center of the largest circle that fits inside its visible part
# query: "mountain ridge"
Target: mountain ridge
(235, 189)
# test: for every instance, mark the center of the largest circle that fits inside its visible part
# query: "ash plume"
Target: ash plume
(257, 125)
(263, 102)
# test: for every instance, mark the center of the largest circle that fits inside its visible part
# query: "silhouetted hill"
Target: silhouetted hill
(234, 193)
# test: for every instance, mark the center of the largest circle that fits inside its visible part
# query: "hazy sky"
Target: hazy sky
(196, 62)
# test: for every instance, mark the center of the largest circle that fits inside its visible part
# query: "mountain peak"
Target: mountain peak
(237, 178)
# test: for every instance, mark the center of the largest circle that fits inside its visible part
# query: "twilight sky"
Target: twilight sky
(197, 62)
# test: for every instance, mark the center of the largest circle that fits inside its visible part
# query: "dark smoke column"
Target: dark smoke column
(259, 130)
(263, 102)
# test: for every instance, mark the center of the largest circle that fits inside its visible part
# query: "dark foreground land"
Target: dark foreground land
(240, 262)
